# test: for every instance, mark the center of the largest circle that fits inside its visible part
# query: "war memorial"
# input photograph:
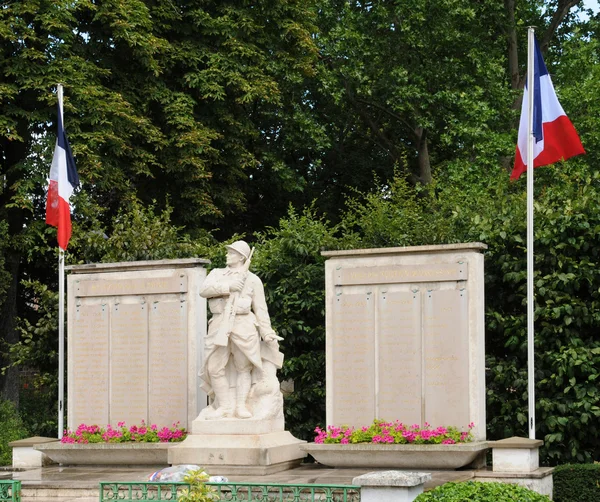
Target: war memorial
(166, 342)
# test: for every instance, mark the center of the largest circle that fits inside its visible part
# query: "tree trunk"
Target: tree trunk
(11, 154)
(562, 9)
(9, 381)
(513, 53)
(423, 156)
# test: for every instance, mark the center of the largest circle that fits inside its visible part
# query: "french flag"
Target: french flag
(555, 136)
(63, 180)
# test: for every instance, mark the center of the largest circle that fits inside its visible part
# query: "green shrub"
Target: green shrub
(576, 482)
(11, 430)
(481, 492)
(288, 259)
(198, 491)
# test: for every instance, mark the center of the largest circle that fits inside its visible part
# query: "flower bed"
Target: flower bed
(382, 432)
(93, 445)
(394, 445)
(85, 434)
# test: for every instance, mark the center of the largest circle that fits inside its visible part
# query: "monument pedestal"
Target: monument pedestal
(516, 460)
(233, 446)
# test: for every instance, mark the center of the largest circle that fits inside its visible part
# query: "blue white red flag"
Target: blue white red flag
(555, 136)
(63, 180)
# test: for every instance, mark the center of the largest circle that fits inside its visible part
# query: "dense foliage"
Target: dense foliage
(12, 429)
(576, 483)
(302, 126)
(480, 492)
(567, 314)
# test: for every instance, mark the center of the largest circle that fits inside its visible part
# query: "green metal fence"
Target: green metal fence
(231, 492)
(10, 490)
(259, 492)
(141, 492)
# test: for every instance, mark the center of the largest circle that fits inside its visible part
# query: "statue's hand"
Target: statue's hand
(271, 337)
(236, 285)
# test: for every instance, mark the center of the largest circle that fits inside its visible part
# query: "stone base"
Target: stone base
(24, 456)
(227, 426)
(233, 454)
(106, 453)
(539, 480)
(391, 486)
(398, 456)
(516, 454)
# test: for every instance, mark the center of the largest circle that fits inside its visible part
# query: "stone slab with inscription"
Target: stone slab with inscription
(135, 333)
(405, 336)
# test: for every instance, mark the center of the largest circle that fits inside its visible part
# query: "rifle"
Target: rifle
(229, 312)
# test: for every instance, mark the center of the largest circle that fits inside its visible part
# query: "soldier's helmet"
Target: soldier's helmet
(240, 247)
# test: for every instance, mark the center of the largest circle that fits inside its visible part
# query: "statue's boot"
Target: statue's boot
(223, 394)
(244, 381)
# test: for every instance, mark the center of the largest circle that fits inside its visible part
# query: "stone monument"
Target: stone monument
(242, 430)
(405, 336)
(134, 342)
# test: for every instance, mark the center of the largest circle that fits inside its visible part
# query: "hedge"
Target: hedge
(576, 482)
(475, 491)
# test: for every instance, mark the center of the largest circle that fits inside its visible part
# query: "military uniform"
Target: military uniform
(251, 320)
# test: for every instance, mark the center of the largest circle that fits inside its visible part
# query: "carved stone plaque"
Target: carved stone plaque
(89, 352)
(414, 346)
(399, 356)
(446, 357)
(135, 333)
(402, 273)
(177, 283)
(129, 363)
(353, 363)
(167, 380)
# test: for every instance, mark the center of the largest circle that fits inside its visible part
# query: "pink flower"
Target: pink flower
(391, 432)
(94, 434)
(410, 437)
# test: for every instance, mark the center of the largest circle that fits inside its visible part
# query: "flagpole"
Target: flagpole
(61, 341)
(530, 299)
(61, 311)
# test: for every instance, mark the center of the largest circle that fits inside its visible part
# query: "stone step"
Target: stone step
(54, 493)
